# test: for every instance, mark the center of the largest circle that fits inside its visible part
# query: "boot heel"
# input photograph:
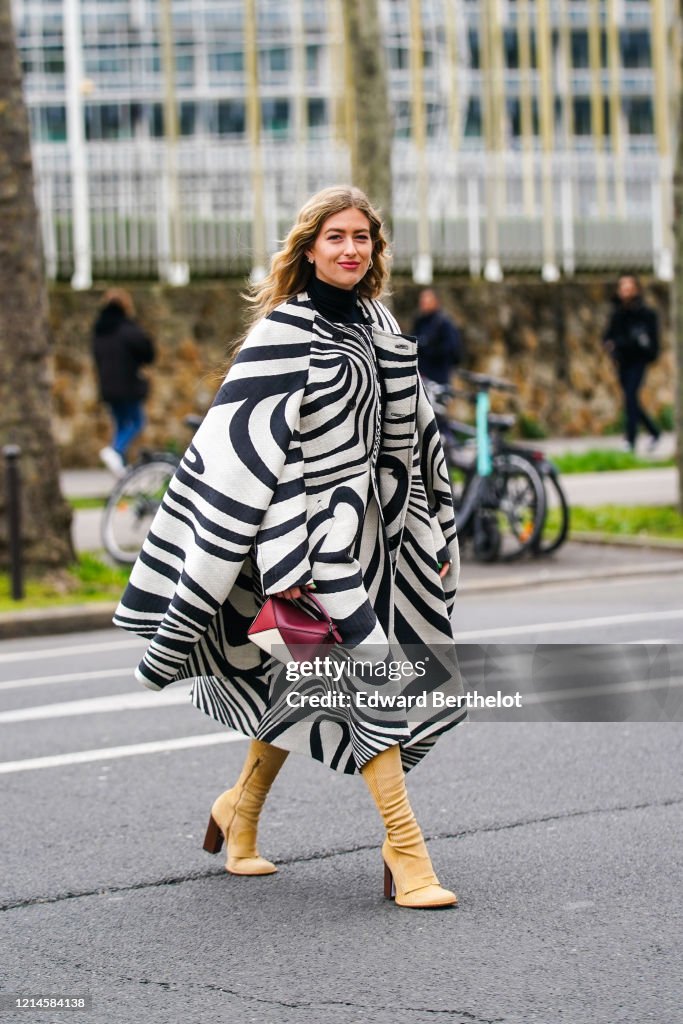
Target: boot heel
(389, 887)
(214, 837)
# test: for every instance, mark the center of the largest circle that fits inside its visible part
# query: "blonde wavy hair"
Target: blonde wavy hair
(290, 270)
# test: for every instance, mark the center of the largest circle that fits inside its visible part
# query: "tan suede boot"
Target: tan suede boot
(235, 813)
(408, 872)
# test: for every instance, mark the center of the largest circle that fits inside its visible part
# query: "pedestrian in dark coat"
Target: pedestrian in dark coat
(439, 343)
(318, 464)
(120, 348)
(632, 339)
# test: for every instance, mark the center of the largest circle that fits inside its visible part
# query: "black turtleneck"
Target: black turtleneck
(338, 305)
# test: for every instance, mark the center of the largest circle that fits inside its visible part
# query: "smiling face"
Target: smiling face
(343, 248)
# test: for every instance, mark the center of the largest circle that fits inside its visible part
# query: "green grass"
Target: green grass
(86, 580)
(596, 461)
(629, 521)
(87, 502)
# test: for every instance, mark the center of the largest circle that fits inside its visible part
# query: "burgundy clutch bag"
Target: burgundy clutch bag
(287, 632)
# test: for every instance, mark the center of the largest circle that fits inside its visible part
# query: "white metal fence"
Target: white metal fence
(482, 208)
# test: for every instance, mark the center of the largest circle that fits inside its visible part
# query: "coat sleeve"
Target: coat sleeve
(216, 503)
(437, 485)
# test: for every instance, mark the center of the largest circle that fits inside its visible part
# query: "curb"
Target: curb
(47, 621)
(83, 617)
(568, 576)
(626, 541)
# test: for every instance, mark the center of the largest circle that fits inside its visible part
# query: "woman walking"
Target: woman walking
(318, 465)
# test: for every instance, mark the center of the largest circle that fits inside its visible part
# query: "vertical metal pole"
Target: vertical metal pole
(337, 72)
(549, 271)
(473, 226)
(616, 128)
(350, 115)
(526, 106)
(177, 272)
(75, 130)
(11, 453)
(566, 83)
(489, 12)
(422, 263)
(453, 97)
(258, 240)
(661, 69)
(597, 113)
(300, 100)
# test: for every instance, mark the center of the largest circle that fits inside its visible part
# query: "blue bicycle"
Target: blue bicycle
(498, 493)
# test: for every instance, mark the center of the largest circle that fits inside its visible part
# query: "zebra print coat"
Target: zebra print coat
(319, 459)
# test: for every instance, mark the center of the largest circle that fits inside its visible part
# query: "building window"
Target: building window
(187, 118)
(399, 58)
(230, 117)
(226, 60)
(640, 116)
(473, 119)
(579, 42)
(48, 123)
(514, 112)
(317, 115)
(105, 121)
(511, 46)
(278, 58)
(473, 41)
(402, 120)
(582, 116)
(635, 50)
(312, 58)
(53, 60)
(275, 117)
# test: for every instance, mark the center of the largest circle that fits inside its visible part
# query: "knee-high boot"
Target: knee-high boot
(235, 813)
(408, 872)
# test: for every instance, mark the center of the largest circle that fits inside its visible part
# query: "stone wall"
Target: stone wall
(545, 338)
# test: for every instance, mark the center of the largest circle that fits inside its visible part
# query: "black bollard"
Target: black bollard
(13, 489)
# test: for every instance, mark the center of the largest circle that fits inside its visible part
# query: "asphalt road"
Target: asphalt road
(562, 839)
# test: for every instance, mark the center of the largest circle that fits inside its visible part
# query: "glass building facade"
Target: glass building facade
(580, 90)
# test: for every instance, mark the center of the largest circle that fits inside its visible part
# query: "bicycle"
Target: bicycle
(556, 523)
(500, 504)
(134, 501)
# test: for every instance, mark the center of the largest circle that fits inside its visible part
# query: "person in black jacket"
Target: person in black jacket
(439, 345)
(632, 339)
(120, 348)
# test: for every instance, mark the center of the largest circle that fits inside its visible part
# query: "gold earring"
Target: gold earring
(370, 264)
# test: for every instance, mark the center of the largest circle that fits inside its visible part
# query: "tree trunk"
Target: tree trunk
(677, 297)
(25, 399)
(367, 84)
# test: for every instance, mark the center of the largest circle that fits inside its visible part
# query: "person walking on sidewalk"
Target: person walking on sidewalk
(319, 465)
(439, 343)
(120, 347)
(632, 339)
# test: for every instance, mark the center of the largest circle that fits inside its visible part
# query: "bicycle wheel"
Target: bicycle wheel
(131, 507)
(520, 503)
(556, 523)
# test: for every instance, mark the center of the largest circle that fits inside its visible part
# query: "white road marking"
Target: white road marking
(550, 627)
(69, 677)
(62, 652)
(110, 753)
(97, 705)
